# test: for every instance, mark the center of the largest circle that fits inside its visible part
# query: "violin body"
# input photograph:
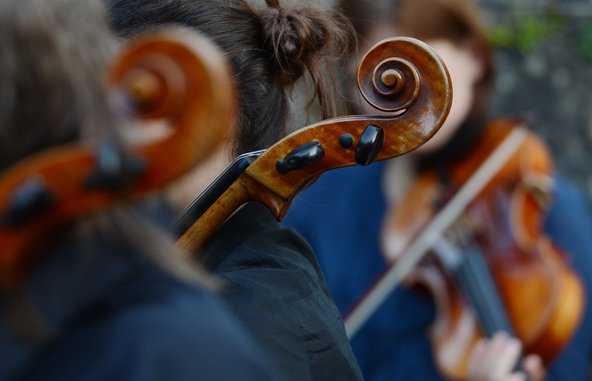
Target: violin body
(541, 297)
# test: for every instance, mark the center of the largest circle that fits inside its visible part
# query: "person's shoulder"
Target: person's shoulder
(569, 224)
(566, 192)
(568, 207)
(277, 290)
(183, 333)
(278, 263)
(335, 199)
(336, 182)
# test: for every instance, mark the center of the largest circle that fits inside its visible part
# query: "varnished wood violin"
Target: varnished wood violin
(402, 76)
(174, 75)
(492, 268)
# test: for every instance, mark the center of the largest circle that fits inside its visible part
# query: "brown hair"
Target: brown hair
(269, 49)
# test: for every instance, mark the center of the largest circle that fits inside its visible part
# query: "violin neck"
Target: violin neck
(196, 236)
(479, 289)
(472, 275)
(228, 193)
(214, 191)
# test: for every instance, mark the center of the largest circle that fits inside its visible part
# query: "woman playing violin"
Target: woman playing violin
(343, 214)
(274, 283)
(106, 300)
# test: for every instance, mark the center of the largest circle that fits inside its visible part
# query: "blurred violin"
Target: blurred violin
(492, 268)
(172, 75)
(402, 76)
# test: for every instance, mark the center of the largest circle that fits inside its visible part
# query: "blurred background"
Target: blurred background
(544, 60)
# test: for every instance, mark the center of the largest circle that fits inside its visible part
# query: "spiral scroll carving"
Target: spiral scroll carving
(171, 74)
(391, 75)
(402, 76)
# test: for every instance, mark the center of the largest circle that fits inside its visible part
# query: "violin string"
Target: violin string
(475, 280)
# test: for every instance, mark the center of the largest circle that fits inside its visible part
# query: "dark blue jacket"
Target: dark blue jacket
(112, 314)
(341, 217)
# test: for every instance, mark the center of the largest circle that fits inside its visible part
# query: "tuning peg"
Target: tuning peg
(115, 170)
(301, 157)
(27, 201)
(370, 144)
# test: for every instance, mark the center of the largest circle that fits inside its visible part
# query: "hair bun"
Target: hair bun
(293, 36)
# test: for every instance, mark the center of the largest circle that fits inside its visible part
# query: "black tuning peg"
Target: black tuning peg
(27, 201)
(301, 157)
(370, 144)
(115, 170)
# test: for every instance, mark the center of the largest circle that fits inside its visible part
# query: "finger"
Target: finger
(493, 346)
(504, 354)
(484, 364)
(507, 353)
(476, 360)
(533, 366)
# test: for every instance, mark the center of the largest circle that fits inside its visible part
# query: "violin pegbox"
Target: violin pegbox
(173, 74)
(403, 78)
(401, 75)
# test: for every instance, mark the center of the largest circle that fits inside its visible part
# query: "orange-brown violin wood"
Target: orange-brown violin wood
(402, 76)
(542, 296)
(175, 75)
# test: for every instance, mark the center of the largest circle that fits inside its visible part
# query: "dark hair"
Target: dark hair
(269, 49)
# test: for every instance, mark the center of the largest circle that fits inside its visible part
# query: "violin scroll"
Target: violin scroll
(399, 74)
(421, 93)
(387, 79)
(182, 79)
(172, 74)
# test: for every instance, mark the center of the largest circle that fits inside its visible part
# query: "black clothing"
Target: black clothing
(277, 290)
